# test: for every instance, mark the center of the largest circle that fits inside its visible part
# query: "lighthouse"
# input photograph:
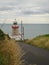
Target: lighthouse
(15, 31)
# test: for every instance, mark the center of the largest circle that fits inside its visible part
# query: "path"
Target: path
(34, 55)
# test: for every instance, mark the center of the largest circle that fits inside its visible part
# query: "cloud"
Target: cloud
(24, 8)
(6, 8)
(22, 5)
(35, 12)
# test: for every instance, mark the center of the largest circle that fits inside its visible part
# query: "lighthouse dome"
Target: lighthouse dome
(15, 23)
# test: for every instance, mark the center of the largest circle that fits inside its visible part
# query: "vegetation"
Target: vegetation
(10, 52)
(2, 35)
(41, 41)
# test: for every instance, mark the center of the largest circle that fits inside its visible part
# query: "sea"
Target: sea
(30, 30)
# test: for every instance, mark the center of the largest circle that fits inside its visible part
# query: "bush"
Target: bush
(10, 53)
(2, 35)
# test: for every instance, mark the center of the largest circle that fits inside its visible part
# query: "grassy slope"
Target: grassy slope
(40, 41)
(10, 52)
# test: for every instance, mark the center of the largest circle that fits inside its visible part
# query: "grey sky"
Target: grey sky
(24, 8)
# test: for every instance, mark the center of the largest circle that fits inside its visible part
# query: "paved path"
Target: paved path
(34, 55)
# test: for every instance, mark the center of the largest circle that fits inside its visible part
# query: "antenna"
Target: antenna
(21, 30)
(15, 19)
(23, 33)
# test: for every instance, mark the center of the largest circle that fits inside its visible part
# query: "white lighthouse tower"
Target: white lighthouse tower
(15, 31)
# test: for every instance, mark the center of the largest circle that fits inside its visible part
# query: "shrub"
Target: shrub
(10, 53)
(2, 35)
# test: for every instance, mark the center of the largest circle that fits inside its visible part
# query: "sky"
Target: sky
(27, 11)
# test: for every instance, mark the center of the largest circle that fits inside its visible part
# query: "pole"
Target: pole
(23, 33)
(21, 30)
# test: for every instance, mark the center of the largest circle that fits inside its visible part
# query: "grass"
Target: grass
(41, 41)
(10, 52)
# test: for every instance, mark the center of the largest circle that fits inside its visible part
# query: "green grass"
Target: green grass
(41, 41)
(10, 51)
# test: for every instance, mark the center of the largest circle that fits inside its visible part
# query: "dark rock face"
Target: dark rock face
(2, 35)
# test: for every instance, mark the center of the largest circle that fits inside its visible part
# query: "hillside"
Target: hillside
(10, 52)
(41, 41)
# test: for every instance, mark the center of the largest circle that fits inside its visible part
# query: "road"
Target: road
(34, 55)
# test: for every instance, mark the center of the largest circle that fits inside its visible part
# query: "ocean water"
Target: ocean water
(30, 30)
